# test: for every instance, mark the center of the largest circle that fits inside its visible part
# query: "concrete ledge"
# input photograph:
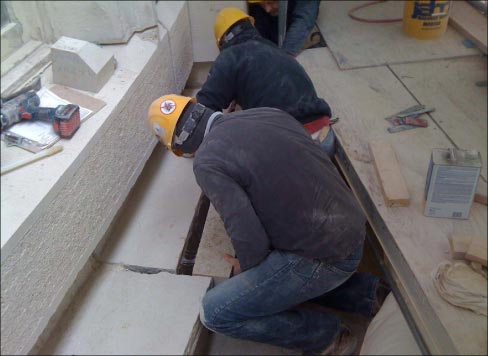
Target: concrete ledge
(55, 212)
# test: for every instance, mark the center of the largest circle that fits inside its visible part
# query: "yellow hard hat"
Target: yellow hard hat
(164, 114)
(254, 1)
(225, 19)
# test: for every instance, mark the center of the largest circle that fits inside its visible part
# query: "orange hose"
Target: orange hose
(350, 13)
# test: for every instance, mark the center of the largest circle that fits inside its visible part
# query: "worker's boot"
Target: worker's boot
(344, 344)
(382, 292)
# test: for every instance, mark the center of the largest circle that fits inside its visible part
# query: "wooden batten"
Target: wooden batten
(392, 183)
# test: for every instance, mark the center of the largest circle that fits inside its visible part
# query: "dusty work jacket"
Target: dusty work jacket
(256, 73)
(300, 20)
(276, 189)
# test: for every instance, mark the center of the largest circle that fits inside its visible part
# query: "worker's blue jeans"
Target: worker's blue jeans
(262, 303)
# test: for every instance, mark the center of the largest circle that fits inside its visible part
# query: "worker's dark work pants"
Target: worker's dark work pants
(260, 304)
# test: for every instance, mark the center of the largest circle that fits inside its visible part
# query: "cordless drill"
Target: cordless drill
(65, 118)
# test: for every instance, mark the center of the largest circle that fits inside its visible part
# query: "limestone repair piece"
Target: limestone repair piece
(120, 312)
(81, 65)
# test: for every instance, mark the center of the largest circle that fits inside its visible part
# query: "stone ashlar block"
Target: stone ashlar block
(100, 22)
(81, 65)
(11, 39)
(123, 312)
(154, 222)
(174, 17)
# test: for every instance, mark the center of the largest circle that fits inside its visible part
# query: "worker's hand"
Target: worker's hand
(234, 262)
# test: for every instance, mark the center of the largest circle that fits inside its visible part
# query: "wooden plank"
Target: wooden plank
(413, 243)
(460, 105)
(214, 244)
(480, 196)
(392, 182)
(469, 22)
(358, 44)
(477, 250)
(459, 244)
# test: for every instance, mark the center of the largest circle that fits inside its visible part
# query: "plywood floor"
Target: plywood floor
(460, 105)
(362, 98)
(357, 44)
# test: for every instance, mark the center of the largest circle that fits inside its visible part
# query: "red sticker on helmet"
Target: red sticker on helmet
(168, 106)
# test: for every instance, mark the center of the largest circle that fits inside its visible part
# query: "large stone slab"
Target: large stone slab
(214, 244)
(19, 55)
(152, 227)
(202, 18)
(175, 18)
(81, 65)
(120, 312)
(23, 72)
(101, 22)
(11, 39)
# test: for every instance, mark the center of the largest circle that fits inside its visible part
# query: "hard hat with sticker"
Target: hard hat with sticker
(168, 106)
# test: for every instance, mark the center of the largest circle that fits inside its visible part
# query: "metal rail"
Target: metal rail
(187, 259)
(282, 14)
(479, 5)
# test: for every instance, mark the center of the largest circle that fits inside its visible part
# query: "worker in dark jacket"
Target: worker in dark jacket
(300, 20)
(256, 73)
(295, 226)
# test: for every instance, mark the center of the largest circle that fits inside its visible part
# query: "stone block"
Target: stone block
(153, 224)
(202, 18)
(175, 18)
(24, 71)
(214, 244)
(47, 21)
(19, 55)
(11, 39)
(122, 312)
(81, 65)
(198, 75)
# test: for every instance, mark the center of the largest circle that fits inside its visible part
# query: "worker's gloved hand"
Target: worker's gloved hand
(234, 262)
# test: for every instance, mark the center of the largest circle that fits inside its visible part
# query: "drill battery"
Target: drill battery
(65, 118)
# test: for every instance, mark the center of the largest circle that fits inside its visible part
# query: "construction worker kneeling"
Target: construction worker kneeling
(297, 230)
(256, 73)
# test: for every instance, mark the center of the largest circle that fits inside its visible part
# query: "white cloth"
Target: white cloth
(388, 333)
(460, 285)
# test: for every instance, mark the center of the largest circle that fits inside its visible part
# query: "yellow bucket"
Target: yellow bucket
(424, 19)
